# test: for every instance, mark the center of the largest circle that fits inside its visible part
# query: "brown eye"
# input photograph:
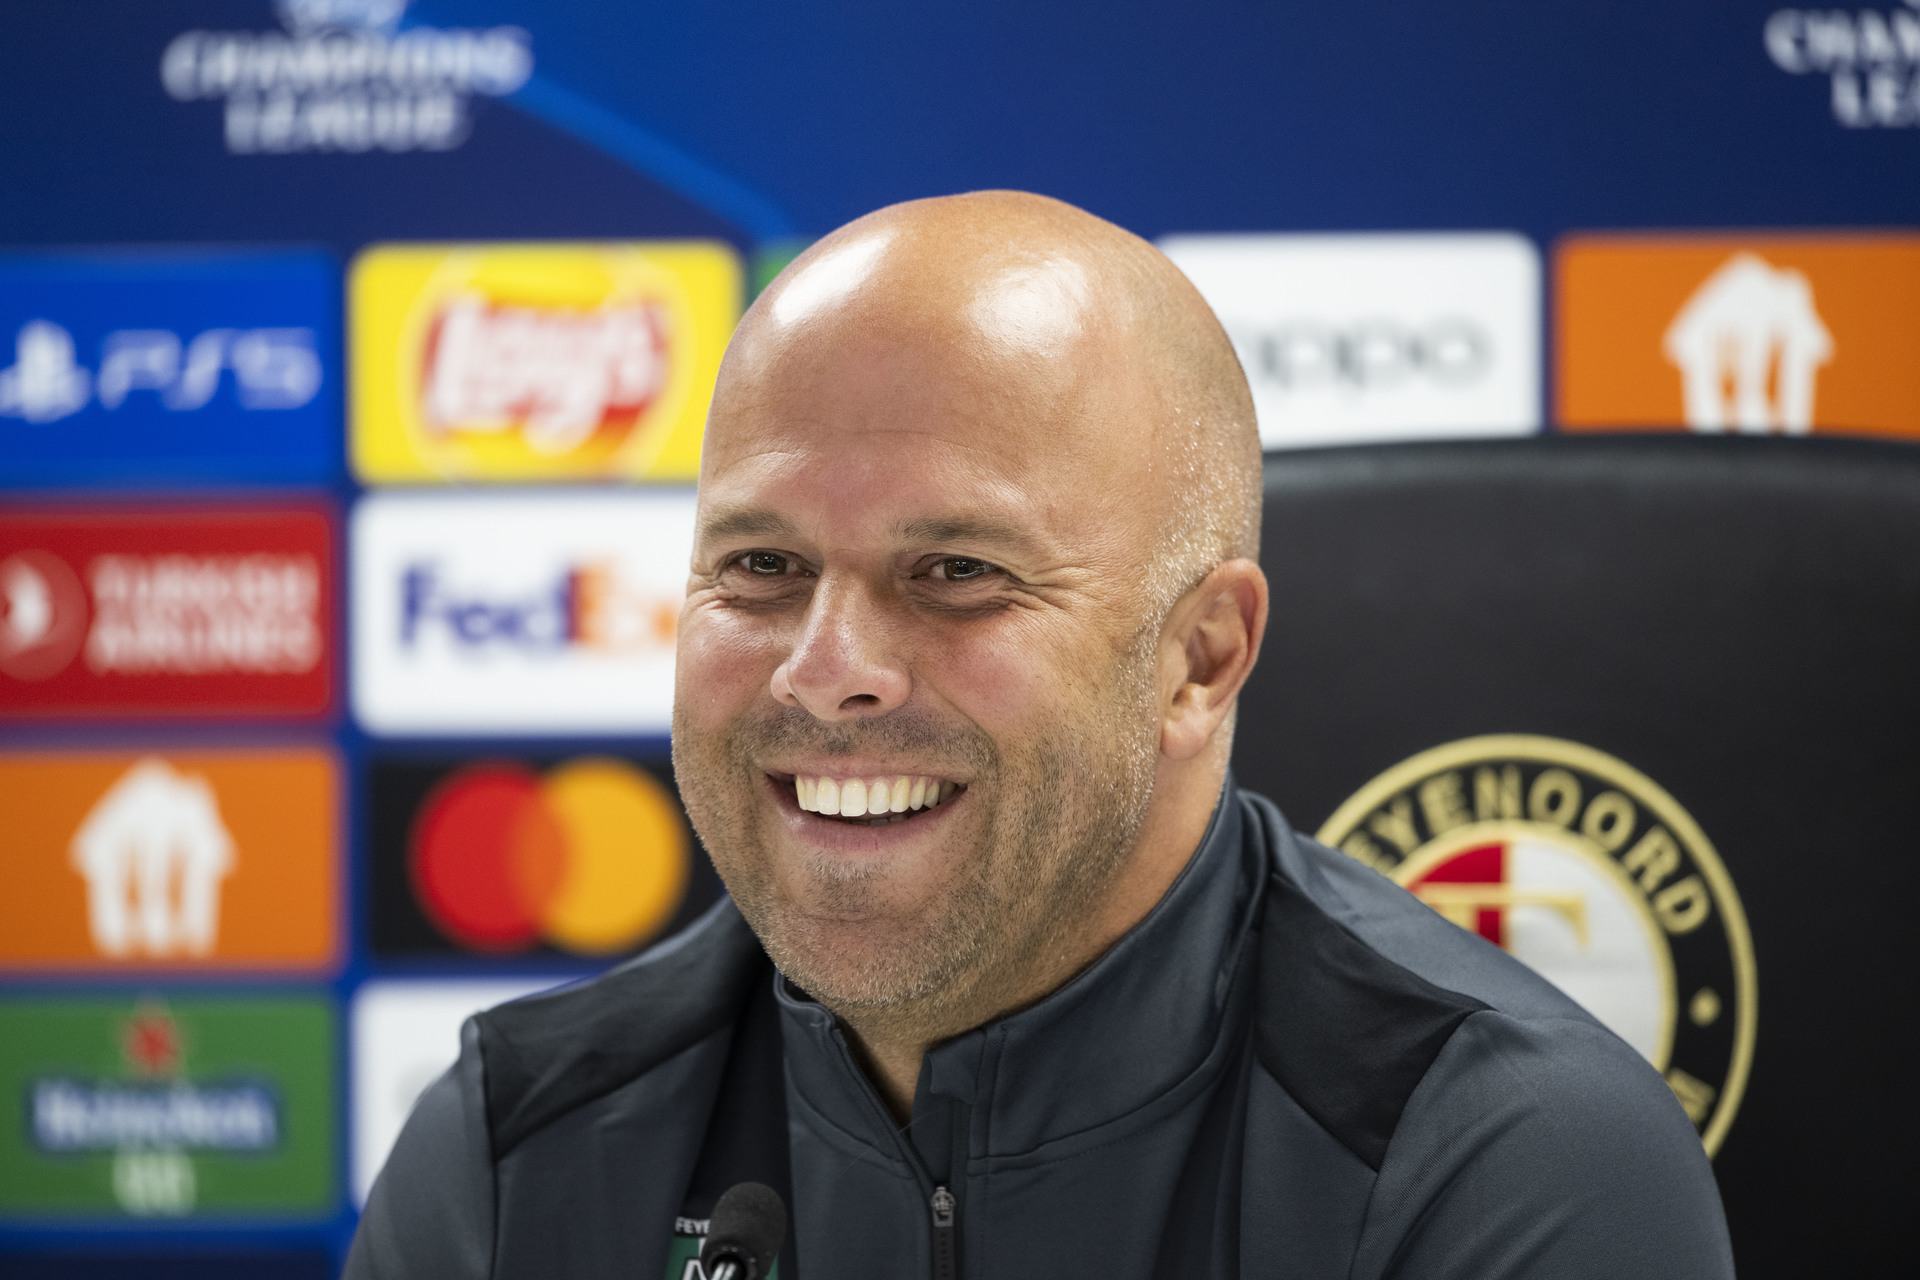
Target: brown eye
(962, 569)
(765, 564)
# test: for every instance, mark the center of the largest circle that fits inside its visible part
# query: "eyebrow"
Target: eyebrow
(975, 530)
(757, 522)
(746, 522)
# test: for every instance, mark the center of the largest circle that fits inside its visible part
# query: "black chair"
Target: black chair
(1608, 668)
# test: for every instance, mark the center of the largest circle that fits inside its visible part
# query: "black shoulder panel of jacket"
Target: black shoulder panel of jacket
(1348, 1032)
(547, 1054)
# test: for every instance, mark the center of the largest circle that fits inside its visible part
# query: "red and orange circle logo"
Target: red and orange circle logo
(592, 857)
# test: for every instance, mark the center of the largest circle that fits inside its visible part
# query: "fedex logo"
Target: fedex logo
(267, 369)
(507, 613)
(586, 605)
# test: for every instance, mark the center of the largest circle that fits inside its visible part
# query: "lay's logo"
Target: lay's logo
(537, 362)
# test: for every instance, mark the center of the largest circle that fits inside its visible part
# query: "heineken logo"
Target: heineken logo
(73, 1116)
(166, 1109)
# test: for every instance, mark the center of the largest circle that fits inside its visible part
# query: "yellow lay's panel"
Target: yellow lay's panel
(536, 362)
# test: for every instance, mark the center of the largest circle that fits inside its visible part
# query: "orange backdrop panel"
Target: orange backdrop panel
(1616, 296)
(275, 897)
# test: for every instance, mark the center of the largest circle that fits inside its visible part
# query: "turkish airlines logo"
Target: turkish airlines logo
(128, 612)
(153, 853)
(1748, 344)
(1786, 335)
(43, 615)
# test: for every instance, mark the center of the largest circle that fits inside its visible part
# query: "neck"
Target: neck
(891, 1045)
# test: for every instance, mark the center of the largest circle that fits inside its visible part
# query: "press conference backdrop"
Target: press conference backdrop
(353, 361)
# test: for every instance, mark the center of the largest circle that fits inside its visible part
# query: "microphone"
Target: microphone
(749, 1222)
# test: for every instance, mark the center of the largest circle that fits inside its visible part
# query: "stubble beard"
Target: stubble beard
(1060, 813)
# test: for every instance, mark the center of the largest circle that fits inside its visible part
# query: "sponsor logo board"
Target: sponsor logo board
(537, 362)
(185, 860)
(405, 1033)
(1786, 334)
(1867, 60)
(524, 613)
(176, 367)
(1591, 873)
(159, 1109)
(1365, 338)
(109, 611)
(346, 76)
(578, 857)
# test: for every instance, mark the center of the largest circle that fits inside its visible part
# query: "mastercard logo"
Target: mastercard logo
(592, 856)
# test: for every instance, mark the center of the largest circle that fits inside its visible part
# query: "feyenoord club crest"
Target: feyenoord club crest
(1588, 871)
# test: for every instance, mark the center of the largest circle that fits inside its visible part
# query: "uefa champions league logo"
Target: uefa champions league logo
(311, 16)
(343, 76)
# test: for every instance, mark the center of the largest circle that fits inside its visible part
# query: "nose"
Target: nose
(843, 665)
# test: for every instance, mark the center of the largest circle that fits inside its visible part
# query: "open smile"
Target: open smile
(875, 801)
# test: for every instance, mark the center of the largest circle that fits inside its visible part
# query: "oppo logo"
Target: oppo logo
(1364, 355)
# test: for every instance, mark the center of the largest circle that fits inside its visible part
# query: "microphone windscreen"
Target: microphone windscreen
(749, 1223)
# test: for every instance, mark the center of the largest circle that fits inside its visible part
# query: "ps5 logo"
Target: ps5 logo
(268, 369)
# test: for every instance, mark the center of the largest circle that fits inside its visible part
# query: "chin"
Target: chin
(848, 965)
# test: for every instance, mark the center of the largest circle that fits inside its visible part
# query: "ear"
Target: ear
(1207, 650)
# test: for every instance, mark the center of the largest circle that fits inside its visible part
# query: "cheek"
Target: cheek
(720, 666)
(1013, 678)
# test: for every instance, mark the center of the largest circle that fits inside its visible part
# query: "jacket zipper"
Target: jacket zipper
(945, 1212)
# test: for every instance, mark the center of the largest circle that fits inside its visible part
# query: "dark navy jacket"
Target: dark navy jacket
(1290, 1068)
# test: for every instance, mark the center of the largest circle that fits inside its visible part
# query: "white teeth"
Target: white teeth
(859, 797)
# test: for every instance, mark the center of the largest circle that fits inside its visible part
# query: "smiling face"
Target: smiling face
(922, 589)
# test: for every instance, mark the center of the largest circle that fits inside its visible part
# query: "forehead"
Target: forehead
(873, 425)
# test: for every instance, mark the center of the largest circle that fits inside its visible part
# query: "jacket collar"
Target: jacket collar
(1133, 1029)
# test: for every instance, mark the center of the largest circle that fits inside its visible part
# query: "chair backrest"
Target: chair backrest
(1646, 710)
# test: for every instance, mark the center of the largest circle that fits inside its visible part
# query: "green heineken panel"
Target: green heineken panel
(157, 1109)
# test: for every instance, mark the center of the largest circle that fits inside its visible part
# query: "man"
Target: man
(972, 597)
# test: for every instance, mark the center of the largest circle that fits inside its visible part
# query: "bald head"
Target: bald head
(1069, 326)
(978, 499)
